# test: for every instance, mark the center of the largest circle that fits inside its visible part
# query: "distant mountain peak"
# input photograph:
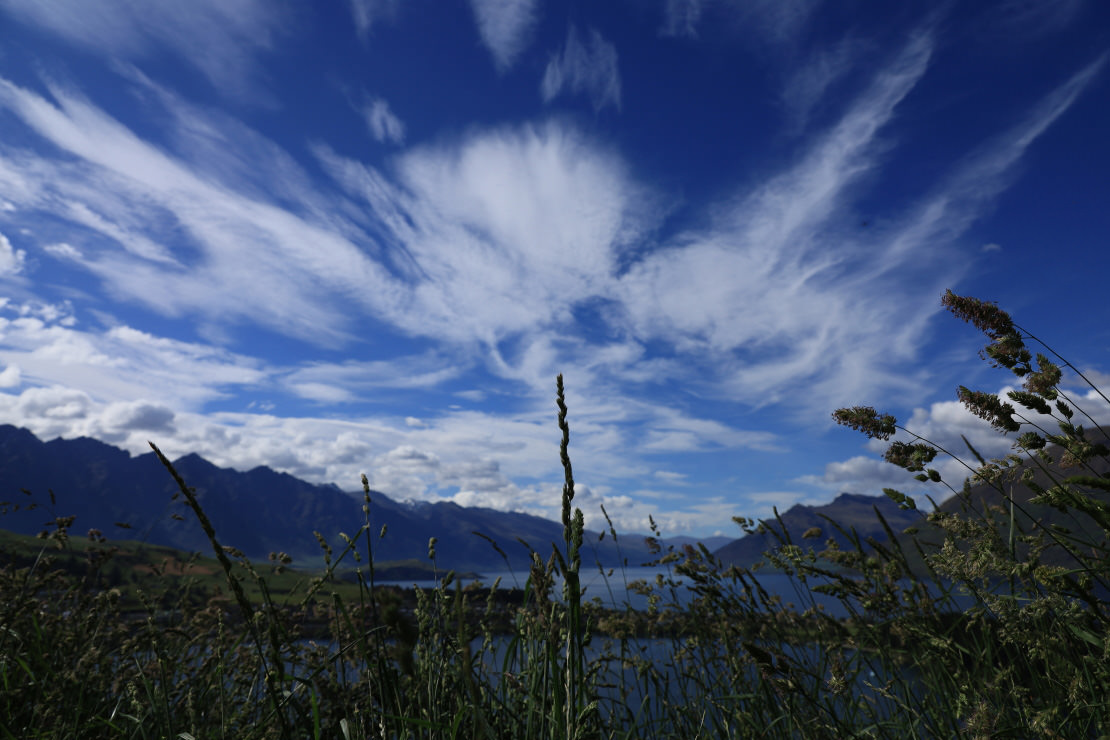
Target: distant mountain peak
(849, 510)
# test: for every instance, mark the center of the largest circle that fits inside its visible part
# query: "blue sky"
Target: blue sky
(365, 235)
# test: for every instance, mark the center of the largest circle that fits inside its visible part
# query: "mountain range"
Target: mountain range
(262, 511)
(259, 511)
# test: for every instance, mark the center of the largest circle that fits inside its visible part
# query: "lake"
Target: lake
(614, 591)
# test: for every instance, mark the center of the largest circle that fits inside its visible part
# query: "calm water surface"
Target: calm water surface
(614, 592)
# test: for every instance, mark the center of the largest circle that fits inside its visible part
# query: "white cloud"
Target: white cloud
(673, 431)
(506, 461)
(859, 474)
(11, 259)
(511, 230)
(59, 313)
(245, 257)
(321, 392)
(52, 404)
(63, 251)
(773, 308)
(1100, 379)
(505, 27)
(140, 415)
(507, 229)
(945, 425)
(968, 191)
(383, 124)
(11, 377)
(588, 67)
(120, 364)
(415, 371)
(781, 289)
(218, 37)
(218, 148)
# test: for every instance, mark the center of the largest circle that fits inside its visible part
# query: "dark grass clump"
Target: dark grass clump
(988, 620)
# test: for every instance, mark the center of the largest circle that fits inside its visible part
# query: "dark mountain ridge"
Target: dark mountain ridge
(982, 500)
(259, 511)
(849, 510)
(985, 502)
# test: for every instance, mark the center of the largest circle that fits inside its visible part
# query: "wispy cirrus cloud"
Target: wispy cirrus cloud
(503, 231)
(344, 380)
(489, 235)
(382, 122)
(973, 184)
(773, 310)
(784, 289)
(233, 32)
(506, 27)
(240, 253)
(584, 66)
(767, 22)
(808, 84)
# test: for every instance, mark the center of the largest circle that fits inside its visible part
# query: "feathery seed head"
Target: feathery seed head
(867, 420)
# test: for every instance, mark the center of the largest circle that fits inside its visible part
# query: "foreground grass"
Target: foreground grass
(272, 653)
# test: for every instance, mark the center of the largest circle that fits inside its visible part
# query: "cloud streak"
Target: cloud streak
(506, 27)
(240, 253)
(773, 310)
(233, 32)
(383, 124)
(587, 67)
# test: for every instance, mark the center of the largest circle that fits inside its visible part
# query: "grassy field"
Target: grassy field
(104, 640)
